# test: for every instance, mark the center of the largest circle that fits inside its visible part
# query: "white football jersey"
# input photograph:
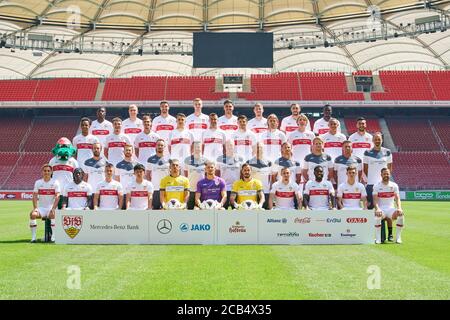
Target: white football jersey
(284, 194)
(262, 171)
(289, 124)
(341, 164)
(351, 195)
(312, 160)
(301, 144)
(139, 193)
(196, 170)
(125, 171)
(146, 143)
(376, 160)
(197, 125)
(244, 142)
(84, 146)
(109, 193)
(319, 194)
(230, 169)
(101, 130)
(361, 143)
(77, 195)
(333, 144)
(95, 170)
(115, 143)
(321, 126)
(180, 144)
(132, 128)
(213, 142)
(258, 127)
(271, 142)
(227, 125)
(63, 170)
(164, 126)
(159, 168)
(386, 194)
(46, 191)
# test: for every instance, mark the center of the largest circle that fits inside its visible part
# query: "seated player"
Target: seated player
(385, 194)
(319, 194)
(351, 193)
(247, 188)
(174, 186)
(45, 200)
(108, 193)
(285, 193)
(77, 195)
(139, 191)
(211, 187)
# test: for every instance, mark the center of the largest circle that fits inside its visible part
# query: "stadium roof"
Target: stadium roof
(144, 20)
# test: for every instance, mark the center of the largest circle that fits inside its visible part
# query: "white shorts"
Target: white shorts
(44, 212)
(351, 208)
(388, 212)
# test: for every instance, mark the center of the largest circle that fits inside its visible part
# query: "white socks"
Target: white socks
(398, 232)
(33, 227)
(378, 229)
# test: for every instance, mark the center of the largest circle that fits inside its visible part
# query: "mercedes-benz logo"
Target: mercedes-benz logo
(164, 226)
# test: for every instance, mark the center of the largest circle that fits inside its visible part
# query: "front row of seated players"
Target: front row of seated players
(247, 192)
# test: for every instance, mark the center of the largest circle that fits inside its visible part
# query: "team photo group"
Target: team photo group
(227, 162)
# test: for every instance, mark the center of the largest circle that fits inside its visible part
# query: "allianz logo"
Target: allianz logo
(284, 220)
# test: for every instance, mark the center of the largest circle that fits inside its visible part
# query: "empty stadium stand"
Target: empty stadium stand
(135, 88)
(281, 86)
(7, 162)
(373, 125)
(440, 82)
(13, 132)
(442, 127)
(66, 89)
(191, 87)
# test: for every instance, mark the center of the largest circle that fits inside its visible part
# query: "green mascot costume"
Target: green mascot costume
(64, 149)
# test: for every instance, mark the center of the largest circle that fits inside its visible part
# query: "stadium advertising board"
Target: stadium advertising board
(214, 227)
(16, 195)
(428, 195)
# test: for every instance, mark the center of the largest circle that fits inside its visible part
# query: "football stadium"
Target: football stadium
(224, 150)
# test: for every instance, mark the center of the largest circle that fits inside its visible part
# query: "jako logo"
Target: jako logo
(200, 227)
(184, 227)
(356, 220)
(333, 220)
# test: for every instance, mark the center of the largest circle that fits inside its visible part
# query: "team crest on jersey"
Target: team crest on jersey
(72, 225)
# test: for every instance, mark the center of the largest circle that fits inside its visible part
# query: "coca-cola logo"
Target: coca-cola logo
(356, 220)
(302, 220)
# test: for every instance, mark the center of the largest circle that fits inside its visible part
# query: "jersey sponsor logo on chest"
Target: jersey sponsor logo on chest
(116, 144)
(106, 192)
(351, 195)
(259, 130)
(63, 167)
(213, 140)
(228, 127)
(202, 126)
(386, 194)
(84, 146)
(333, 144)
(147, 144)
(139, 194)
(301, 141)
(243, 142)
(361, 145)
(77, 194)
(273, 141)
(181, 141)
(291, 128)
(174, 188)
(319, 192)
(46, 192)
(284, 194)
(132, 130)
(163, 127)
(247, 192)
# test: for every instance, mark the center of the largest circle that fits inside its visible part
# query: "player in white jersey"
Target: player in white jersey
(301, 139)
(347, 159)
(387, 205)
(197, 123)
(244, 140)
(351, 193)
(194, 170)
(84, 141)
(145, 142)
(290, 123)
(46, 194)
(180, 140)
(228, 122)
(262, 171)
(285, 193)
(333, 140)
(132, 126)
(315, 158)
(124, 172)
(157, 168)
(101, 128)
(213, 140)
(361, 139)
(258, 125)
(77, 195)
(321, 125)
(286, 161)
(63, 164)
(108, 193)
(272, 139)
(374, 160)
(115, 142)
(139, 191)
(94, 167)
(318, 194)
(164, 123)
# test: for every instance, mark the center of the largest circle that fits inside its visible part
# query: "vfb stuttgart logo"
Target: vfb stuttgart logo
(72, 225)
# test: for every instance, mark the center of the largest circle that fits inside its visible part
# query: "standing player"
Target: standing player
(385, 194)
(344, 161)
(145, 142)
(246, 188)
(84, 141)
(125, 169)
(258, 125)
(244, 140)
(213, 140)
(94, 167)
(46, 194)
(262, 171)
(351, 193)
(319, 193)
(361, 139)
(374, 160)
(321, 125)
(286, 161)
(229, 166)
(194, 167)
(211, 187)
(301, 139)
(164, 123)
(272, 139)
(174, 186)
(180, 140)
(333, 140)
(133, 125)
(285, 193)
(139, 191)
(101, 128)
(77, 195)
(228, 122)
(197, 123)
(108, 193)
(157, 168)
(115, 142)
(290, 123)
(315, 158)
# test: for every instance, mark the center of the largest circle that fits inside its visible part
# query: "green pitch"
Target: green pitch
(417, 269)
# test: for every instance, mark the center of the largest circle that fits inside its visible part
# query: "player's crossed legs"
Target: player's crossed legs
(389, 214)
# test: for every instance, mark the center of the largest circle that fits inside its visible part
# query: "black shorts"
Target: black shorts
(156, 200)
(191, 200)
(369, 190)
